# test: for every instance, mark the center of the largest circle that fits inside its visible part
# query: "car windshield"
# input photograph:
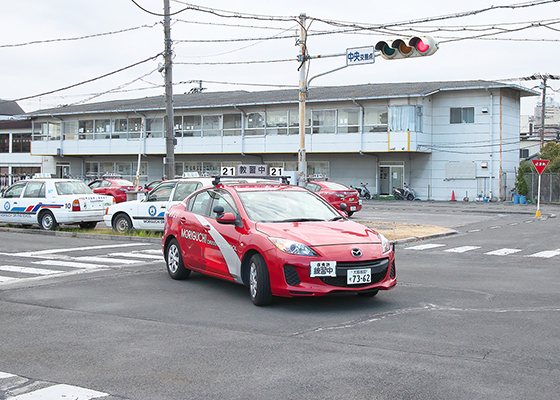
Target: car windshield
(286, 206)
(72, 187)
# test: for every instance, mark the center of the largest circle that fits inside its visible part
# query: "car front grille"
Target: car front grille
(378, 267)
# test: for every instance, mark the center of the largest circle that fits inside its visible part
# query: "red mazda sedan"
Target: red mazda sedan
(336, 194)
(277, 239)
(112, 187)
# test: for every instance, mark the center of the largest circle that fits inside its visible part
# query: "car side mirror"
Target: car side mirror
(226, 218)
(343, 206)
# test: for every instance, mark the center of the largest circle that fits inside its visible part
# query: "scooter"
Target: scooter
(398, 194)
(363, 191)
(409, 193)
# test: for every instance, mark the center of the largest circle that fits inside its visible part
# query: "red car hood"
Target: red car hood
(321, 233)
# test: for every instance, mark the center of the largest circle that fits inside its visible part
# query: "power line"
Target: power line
(86, 81)
(79, 37)
(235, 62)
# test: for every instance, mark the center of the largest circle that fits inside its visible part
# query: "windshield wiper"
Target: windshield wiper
(337, 218)
(302, 220)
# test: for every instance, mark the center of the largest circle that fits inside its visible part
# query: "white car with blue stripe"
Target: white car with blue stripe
(49, 202)
(148, 213)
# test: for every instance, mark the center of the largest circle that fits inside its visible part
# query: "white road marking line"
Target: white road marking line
(5, 375)
(52, 251)
(545, 254)
(425, 246)
(29, 270)
(474, 230)
(8, 279)
(151, 251)
(502, 252)
(71, 264)
(462, 249)
(495, 227)
(61, 392)
(105, 260)
(138, 255)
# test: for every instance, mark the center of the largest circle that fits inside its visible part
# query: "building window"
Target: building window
(405, 118)
(276, 122)
(4, 143)
(348, 120)
(85, 129)
(294, 122)
(376, 119)
(255, 124)
(232, 124)
(461, 115)
(102, 128)
(192, 125)
(134, 128)
(154, 127)
(524, 153)
(324, 121)
(211, 125)
(120, 127)
(21, 142)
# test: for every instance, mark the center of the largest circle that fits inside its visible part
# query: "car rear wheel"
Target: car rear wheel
(350, 213)
(371, 293)
(175, 266)
(88, 225)
(122, 224)
(259, 281)
(47, 221)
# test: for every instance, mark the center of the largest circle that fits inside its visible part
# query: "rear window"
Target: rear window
(72, 187)
(336, 186)
(122, 182)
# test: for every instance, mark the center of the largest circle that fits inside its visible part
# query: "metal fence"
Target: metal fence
(550, 187)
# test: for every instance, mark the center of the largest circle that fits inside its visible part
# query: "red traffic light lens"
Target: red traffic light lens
(422, 47)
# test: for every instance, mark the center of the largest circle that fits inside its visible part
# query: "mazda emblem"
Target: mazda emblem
(356, 252)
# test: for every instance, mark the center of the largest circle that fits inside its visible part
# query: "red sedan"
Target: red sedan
(336, 194)
(278, 240)
(112, 187)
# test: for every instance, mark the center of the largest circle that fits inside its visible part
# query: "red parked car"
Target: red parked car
(115, 187)
(336, 194)
(277, 239)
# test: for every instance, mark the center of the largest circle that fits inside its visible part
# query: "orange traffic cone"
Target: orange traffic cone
(453, 196)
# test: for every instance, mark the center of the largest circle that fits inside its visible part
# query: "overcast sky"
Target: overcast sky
(58, 61)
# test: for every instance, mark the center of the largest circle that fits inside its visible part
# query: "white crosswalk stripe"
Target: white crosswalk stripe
(29, 270)
(20, 388)
(8, 279)
(462, 249)
(545, 254)
(71, 264)
(138, 255)
(425, 246)
(105, 260)
(502, 252)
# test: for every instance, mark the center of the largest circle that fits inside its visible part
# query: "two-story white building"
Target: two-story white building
(443, 138)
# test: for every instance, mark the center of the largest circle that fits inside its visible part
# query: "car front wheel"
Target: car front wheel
(259, 281)
(122, 224)
(175, 266)
(47, 221)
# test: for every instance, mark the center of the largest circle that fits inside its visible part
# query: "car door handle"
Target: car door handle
(207, 227)
(162, 207)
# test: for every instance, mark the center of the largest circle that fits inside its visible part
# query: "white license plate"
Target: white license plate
(357, 276)
(352, 208)
(318, 269)
(360, 202)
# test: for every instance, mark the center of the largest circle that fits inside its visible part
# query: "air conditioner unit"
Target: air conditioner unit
(59, 152)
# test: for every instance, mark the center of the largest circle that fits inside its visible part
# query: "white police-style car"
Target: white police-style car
(49, 202)
(148, 213)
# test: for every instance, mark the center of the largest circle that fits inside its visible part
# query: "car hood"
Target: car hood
(322, 233)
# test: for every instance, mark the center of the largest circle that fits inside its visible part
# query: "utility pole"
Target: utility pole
(543, 78)
(302, 58)
(169, 160)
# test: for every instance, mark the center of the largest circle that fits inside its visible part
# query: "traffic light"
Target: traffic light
(416, 46)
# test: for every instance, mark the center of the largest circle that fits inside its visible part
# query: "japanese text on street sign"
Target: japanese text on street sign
(540, 165)
(360, 55)
(249, 170)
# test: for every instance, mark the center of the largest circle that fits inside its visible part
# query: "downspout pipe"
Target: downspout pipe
(491, 140)
(243, 116)
(361, 132)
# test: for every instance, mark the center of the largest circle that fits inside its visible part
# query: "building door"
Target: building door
(62, 170)
(389, 177)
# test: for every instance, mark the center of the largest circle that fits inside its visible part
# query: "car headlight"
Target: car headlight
(385, 244)
(291, 247)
